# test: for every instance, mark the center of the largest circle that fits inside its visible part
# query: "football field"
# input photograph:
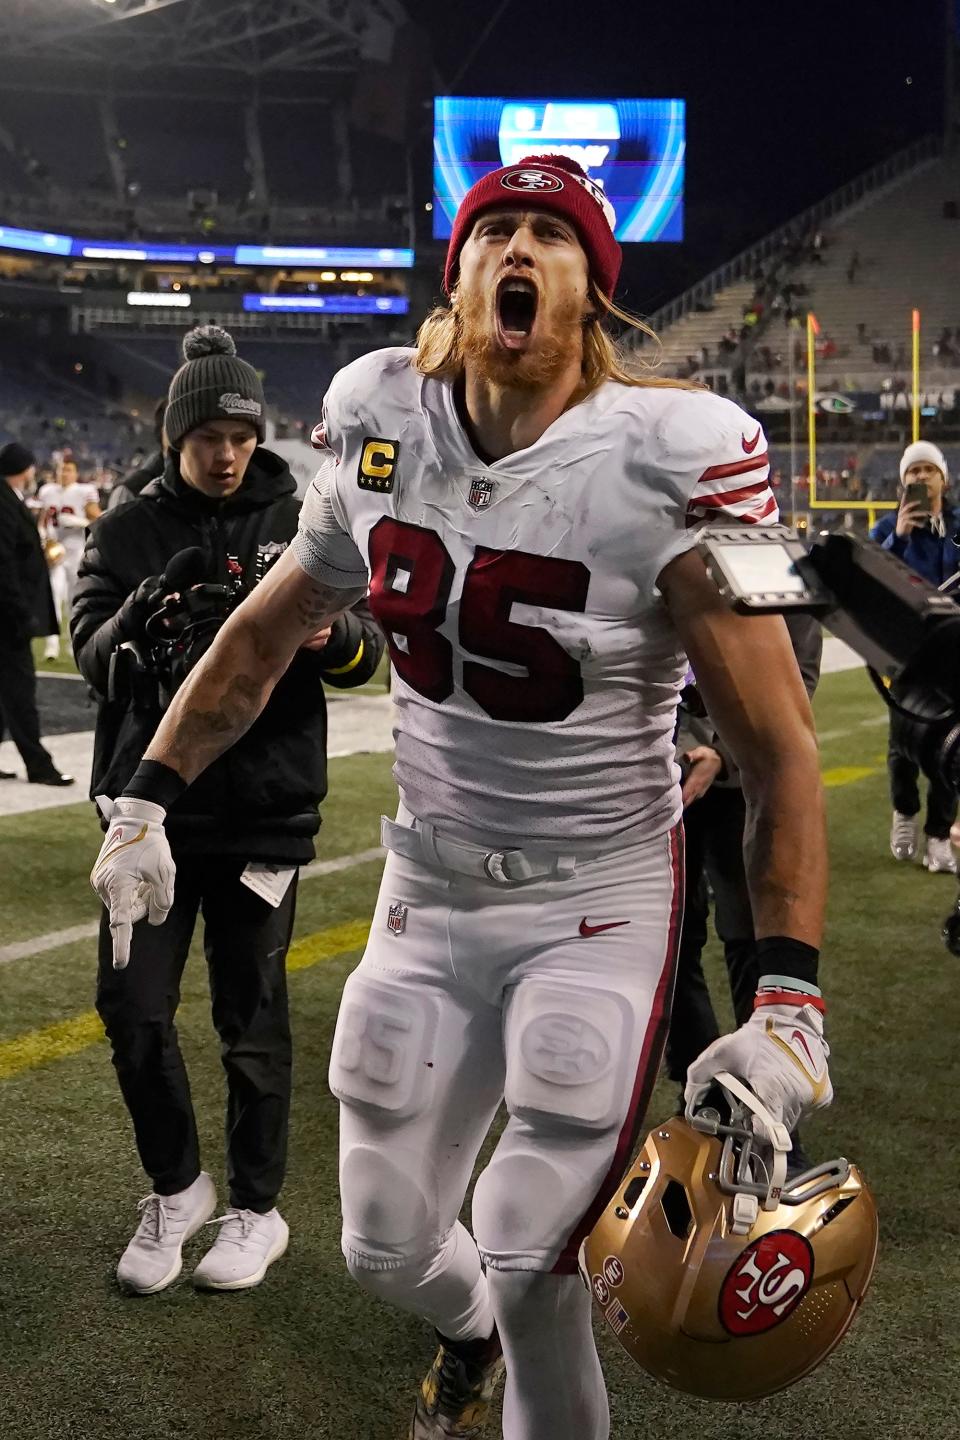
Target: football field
(307, 1356)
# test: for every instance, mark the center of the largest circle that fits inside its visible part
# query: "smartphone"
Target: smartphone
(916, 493)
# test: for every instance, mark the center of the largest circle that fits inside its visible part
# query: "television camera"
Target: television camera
(189, 610)
(906, 630)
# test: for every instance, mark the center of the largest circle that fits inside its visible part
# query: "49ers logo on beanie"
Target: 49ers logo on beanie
(544, 182)
(530, 180)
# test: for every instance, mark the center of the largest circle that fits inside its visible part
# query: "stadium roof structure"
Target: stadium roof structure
(118, 43)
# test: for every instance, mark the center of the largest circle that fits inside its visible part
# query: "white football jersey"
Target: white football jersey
(537, 669)
(63, 506)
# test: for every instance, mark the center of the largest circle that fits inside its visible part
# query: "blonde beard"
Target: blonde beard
(533, 369)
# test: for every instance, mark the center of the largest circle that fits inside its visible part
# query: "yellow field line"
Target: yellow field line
(847, 775)
(69, 1037)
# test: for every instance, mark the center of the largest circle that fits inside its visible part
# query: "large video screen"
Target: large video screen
(634, 149)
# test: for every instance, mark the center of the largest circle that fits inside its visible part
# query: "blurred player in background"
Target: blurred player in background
(68, 504)
(526, 512)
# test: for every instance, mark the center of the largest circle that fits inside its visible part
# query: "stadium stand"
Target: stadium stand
(894, 251)
(176, 171)
(192, 146)
(896, 220)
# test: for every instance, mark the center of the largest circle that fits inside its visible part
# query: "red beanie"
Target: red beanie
(544, 182)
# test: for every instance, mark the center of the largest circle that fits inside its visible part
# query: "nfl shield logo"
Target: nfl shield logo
(481, 493)
(397, 918)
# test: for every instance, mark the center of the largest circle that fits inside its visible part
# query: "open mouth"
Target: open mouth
(516, 310)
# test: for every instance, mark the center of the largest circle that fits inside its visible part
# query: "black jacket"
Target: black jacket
(260, 799)
(26, 604)
(133, 484)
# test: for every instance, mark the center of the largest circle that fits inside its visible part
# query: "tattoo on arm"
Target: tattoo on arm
(213, 708)
(319, 605)
(217, 703)
(223, 696)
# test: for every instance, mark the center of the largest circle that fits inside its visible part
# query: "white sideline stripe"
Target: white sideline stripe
(364, 725)
(844, 734)
(22, 949)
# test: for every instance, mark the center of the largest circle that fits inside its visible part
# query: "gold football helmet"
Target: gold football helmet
(714, 1273)
(54, 552)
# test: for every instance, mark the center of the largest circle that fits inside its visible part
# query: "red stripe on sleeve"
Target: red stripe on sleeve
(721, 498)
(735, 467)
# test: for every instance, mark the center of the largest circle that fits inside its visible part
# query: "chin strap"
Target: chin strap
(774, 1133)
(749, 1195)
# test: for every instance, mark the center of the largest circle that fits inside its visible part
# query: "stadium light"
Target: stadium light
(160, 300)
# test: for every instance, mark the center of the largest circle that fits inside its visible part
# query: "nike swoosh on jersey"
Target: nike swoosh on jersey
(750, 445)
(587, 930)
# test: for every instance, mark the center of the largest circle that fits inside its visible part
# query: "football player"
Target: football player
(525, 512)
(68, 505)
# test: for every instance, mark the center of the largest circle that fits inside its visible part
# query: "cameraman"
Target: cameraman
(237, 836)
(921, 535)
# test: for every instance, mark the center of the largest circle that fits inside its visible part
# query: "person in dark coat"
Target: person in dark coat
(135, 481)
(222, 512)
(26, 610)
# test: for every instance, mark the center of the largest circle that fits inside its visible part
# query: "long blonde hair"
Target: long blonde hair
(439, 351)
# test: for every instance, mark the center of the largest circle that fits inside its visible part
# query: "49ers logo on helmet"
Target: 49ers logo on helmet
(536, 181)
(766, 1283)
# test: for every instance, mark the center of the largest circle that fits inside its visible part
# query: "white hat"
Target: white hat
(922, 450)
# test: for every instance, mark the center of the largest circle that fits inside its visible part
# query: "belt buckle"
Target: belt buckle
(493, 863)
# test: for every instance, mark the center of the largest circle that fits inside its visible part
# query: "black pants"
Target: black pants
(905, 792)
(18, 706)
(714, 828)
(246, 942)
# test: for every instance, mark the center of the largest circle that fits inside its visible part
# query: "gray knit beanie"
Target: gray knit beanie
(213, 384)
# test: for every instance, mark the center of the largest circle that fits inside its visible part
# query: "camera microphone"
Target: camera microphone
(186, 568)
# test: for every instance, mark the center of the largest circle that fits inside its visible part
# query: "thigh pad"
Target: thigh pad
(569, 1055)
(381, 1057)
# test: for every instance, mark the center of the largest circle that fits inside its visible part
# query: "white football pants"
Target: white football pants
(63, 583)
(552, 996)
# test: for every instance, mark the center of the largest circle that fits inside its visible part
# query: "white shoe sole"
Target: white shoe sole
(131, 1289)
(247, 1282)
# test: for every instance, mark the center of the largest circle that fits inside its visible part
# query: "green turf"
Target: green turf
(307, 1356)
(63, 666)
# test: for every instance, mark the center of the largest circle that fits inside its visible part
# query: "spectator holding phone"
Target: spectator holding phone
(921, 534)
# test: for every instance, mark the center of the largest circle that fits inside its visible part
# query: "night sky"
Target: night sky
(784, 101)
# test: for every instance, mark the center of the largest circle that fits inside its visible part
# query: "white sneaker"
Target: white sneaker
(939, 857)
(904, 836)
(154, 1259)
(247, 1245)
(51, 652)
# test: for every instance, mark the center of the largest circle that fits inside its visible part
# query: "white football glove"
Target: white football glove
(134, 873)
(780, 1053)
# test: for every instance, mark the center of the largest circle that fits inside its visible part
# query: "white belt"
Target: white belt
(423, 842)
